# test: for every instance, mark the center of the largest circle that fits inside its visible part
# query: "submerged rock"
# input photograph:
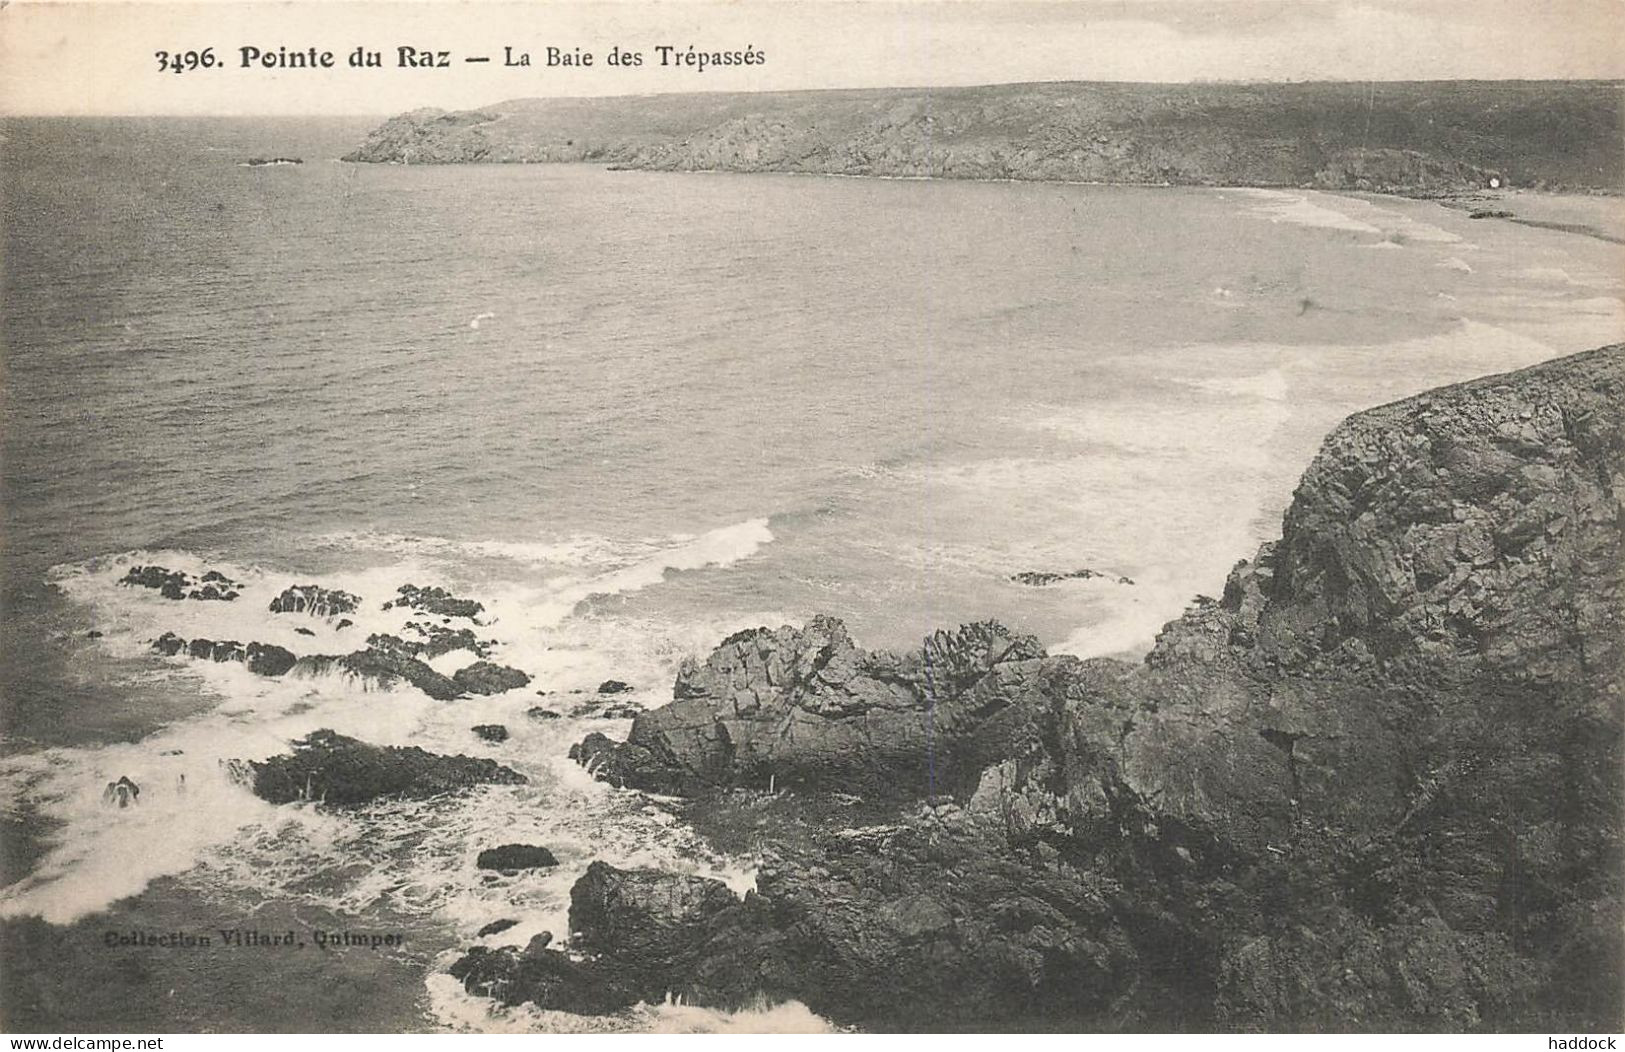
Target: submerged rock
(515, 856)
(536, 712)
(332, 768)
(483, 677)
(491, 732)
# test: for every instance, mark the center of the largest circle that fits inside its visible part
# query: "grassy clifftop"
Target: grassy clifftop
(1415, 137)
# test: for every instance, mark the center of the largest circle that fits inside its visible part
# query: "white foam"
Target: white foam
(1555, 275)
(791, 1017)
(461, 1012)
(1270, 385)
(1187, 490)
(100, 854)
(1304, 209)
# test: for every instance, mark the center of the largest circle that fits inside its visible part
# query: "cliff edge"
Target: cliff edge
(1376, 786)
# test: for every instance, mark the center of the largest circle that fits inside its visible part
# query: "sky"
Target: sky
(95, 57)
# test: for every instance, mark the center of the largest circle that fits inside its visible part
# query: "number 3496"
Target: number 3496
(185, 61)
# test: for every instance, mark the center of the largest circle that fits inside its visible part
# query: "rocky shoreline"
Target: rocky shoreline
(1433, 138)
(1376, 786)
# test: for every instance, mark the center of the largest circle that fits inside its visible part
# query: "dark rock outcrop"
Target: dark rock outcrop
(263, 659)
(889, 926)
(427, 136)
(438, 639)
(536, 712)
(645, 916)
(338, 770)
(496, 927)
(549, 978)
(657, 923)
(483, 677)
(806, 707)
(314, 600)
(436, 601)
(613, 686)
(1376, 785)
(266, 659)
(388, 659)
(511, 857)
(491, 732)
(1044, 578)
(176, 584)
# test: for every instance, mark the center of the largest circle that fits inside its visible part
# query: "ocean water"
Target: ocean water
(630, 413)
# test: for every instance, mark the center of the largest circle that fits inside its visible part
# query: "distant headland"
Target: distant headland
(1425, 138)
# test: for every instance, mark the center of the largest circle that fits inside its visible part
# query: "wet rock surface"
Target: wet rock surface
(806, 707)
(314, 600)
(386, 661)
(176, 584)
(1376, 785)
(1044, 578)
(483, 677)
(338, 770)
(436, 601)
(434, 640)
(515, 857)
(263, 659)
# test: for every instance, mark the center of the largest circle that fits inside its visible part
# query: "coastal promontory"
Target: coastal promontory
(1374, 786)
(1433, 137)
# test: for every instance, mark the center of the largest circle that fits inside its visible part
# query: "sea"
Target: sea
(630, 413)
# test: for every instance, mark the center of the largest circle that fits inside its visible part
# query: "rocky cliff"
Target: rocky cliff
(1375, 786)
(805, 708)
(1432, 137)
